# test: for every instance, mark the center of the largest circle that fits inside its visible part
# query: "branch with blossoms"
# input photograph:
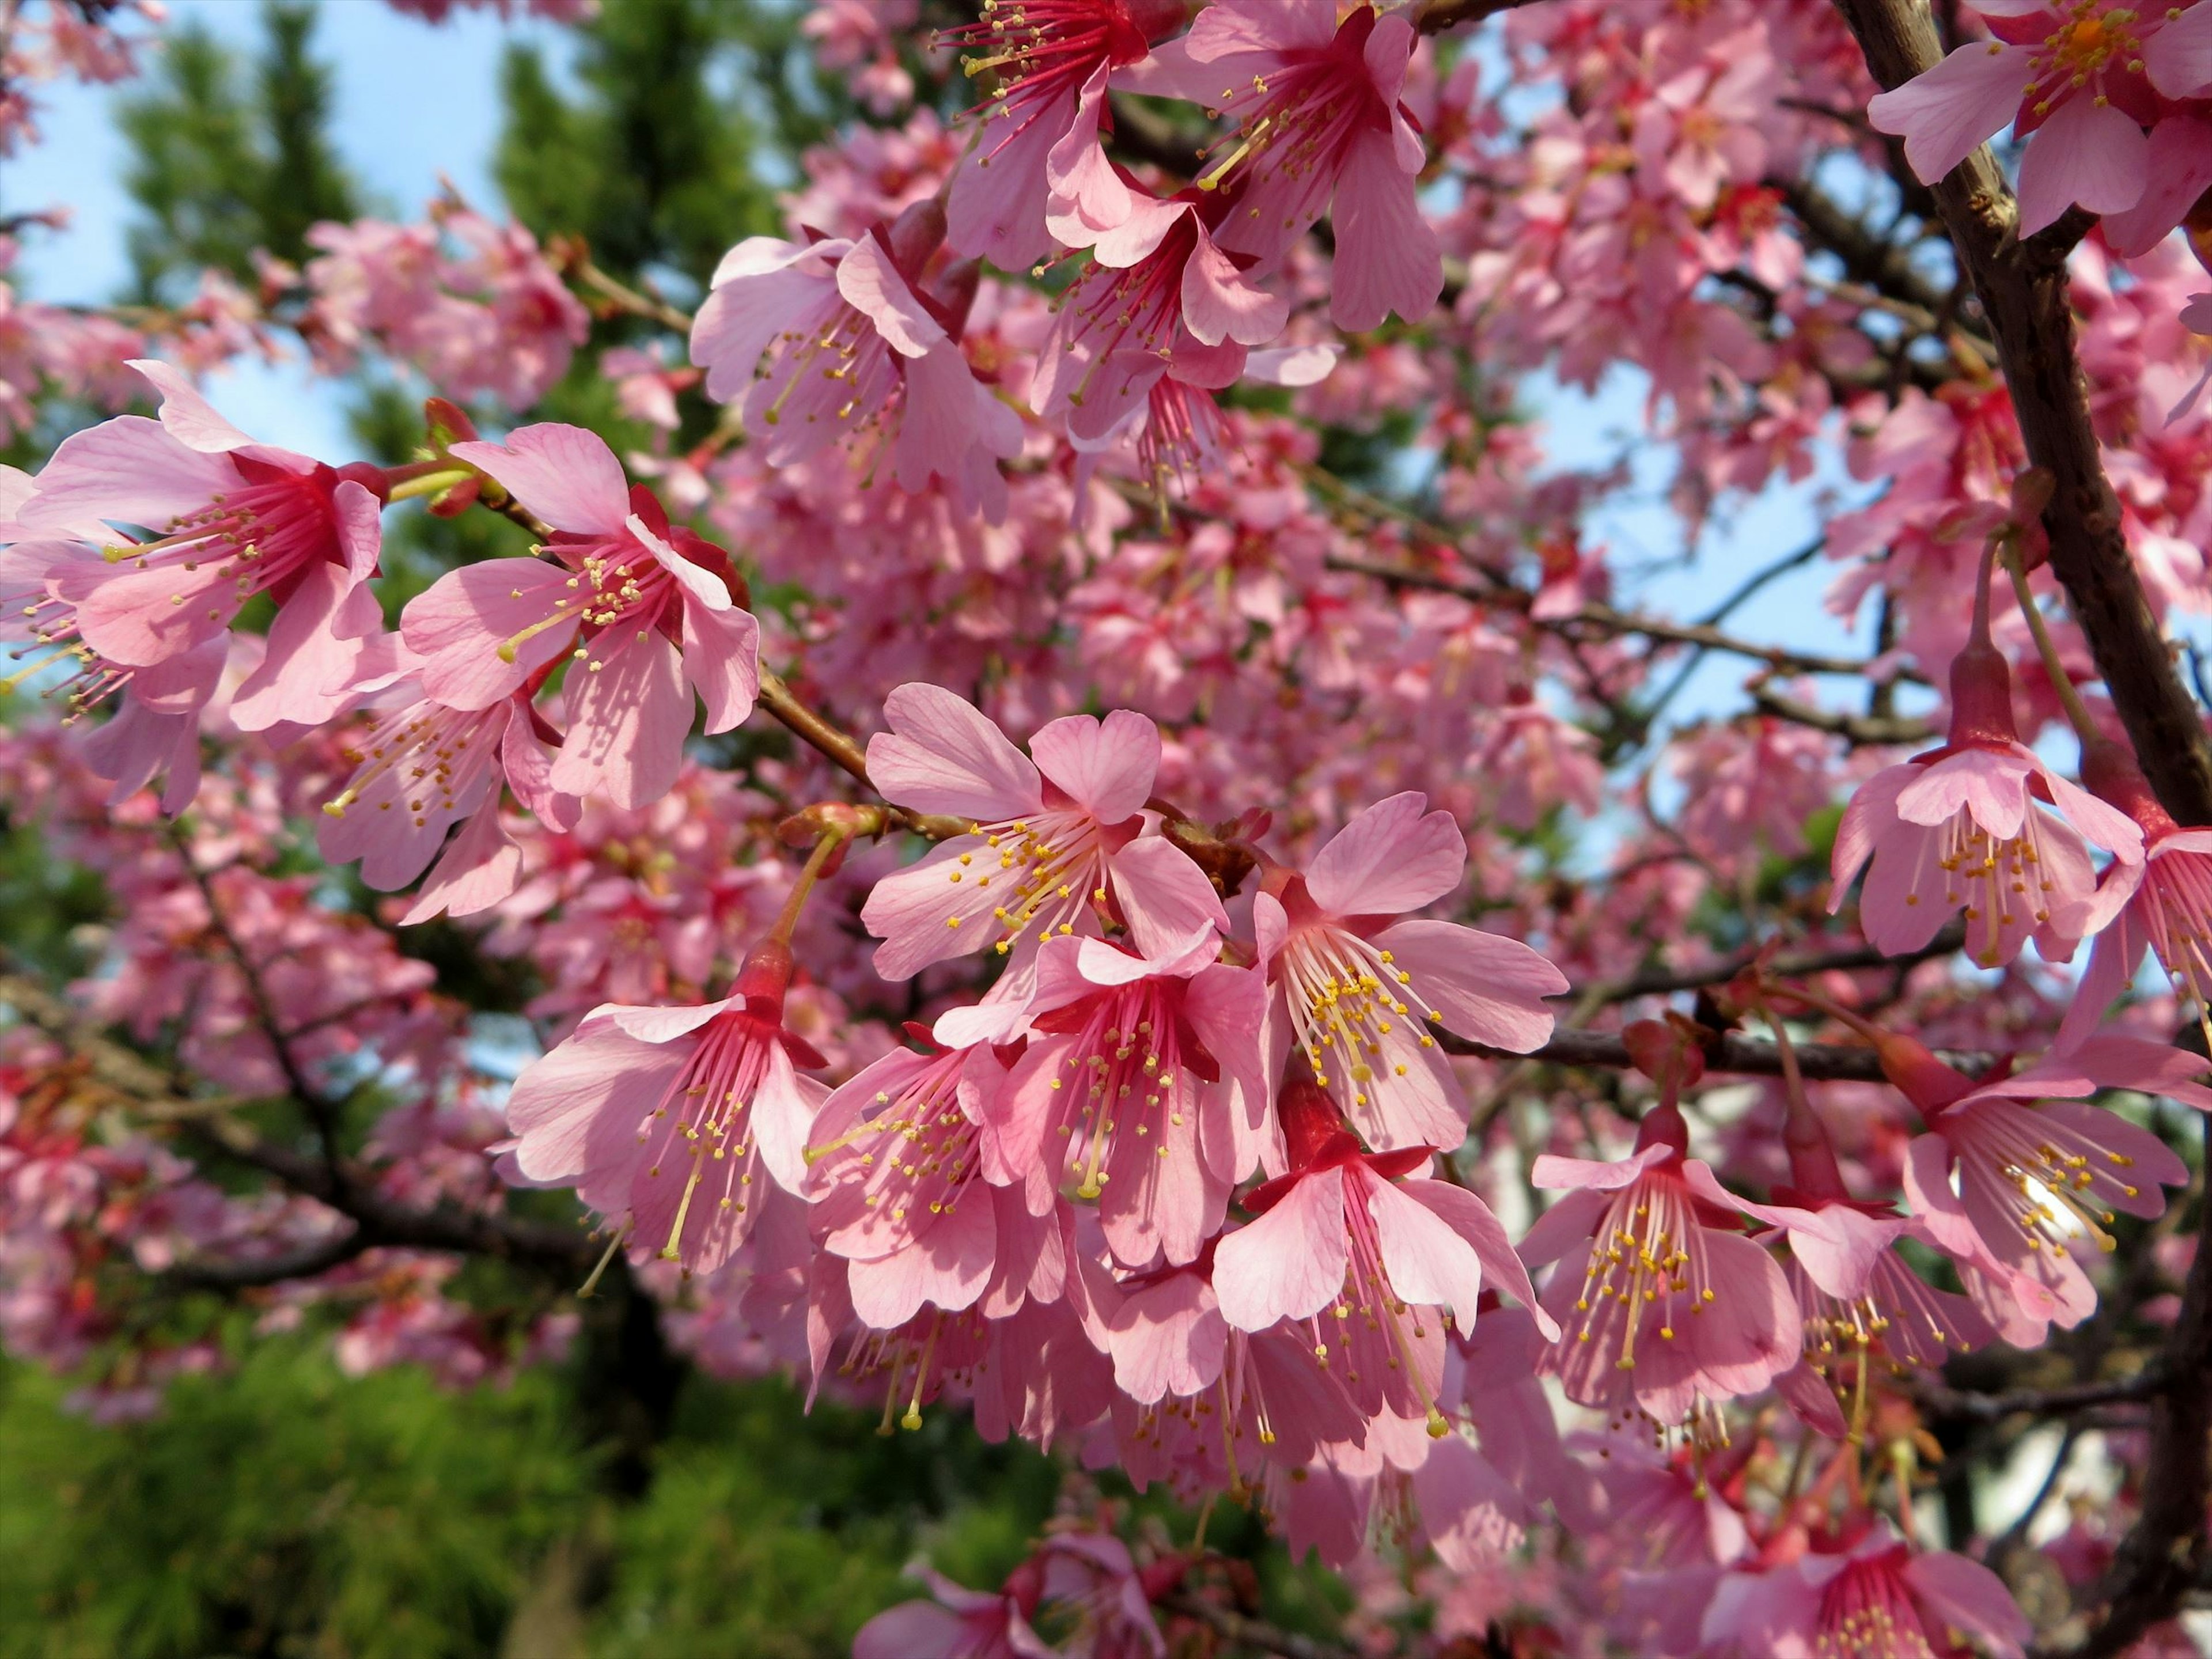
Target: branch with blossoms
(1116, 992)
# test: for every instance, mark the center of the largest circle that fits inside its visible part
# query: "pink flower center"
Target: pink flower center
(618, 586)
(1031, 873)
(1306, 114)
(2176, 903)
(835, 363)
(426, 759)
(1043, 50)
(2046, 1175)
(259, 535)
(1374, 1327)
(1867, 1614)
(1133, 314)
(919, 1154)
(2089, 40)
(1348, 1007)
(1130, 1077)
(2000, 880)
(918, 1360)
(1647, 1264)
(703, 1116)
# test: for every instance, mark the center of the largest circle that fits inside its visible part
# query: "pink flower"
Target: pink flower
(155, 725)
(1039, 129)
(1661, 1306)
(823, 337)
(1965, 825)
(1129, 1085)
(1344, 1231)
(425, 767)
(1159, 299)
(2085, 103)
(1880, 1597)
(1356, 988)
(651, 604)
(2039, 1172)
(1322, 128)
(897, 1190)
(236, 519)
(662, 1118)
(959, 1624)
(1056, 840)
(2162, 901)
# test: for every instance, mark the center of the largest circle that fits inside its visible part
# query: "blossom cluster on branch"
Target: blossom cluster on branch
(1045, 889)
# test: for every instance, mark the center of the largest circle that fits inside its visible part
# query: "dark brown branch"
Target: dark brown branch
(2022, 285)
(1662, 981)
(1859, 730)
(1604, 620)
(1935, 1400)
(1438, 15)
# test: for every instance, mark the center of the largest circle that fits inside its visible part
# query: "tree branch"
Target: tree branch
(2023, 289)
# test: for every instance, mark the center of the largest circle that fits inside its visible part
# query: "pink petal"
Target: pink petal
(461, 622)
(1473, 1220)
(1386, 255)
(1219, 302)
(627, 722)
(913, 1630)
(187, 417)
(1086, 198)
(1868, 815)
(1989, 787)
(1927, 1180)
(1969, 1595)
(872, 285)
(1168, 1339)
(997, 208)
(578, 1108)
(948, 1266)
(784, 1108)
(307, 673)
(942, 756)
(1427, 1261)
(1489, 989)
(1396, 856)
(481, 868)
(2177, 169)
(762, 287)
(1138, 234)
(565, 474)
(1944, 114)
(1105, 767)
(923, 916)
(1164, 898)
(721, 658)
(1472, 1514)
(2178, 58)
(2107, 826)
(129, 471)
(2084, 153)
(1289, 1264)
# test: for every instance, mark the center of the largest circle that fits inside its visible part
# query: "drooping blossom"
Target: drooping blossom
(645, 610)
(1054, 840)
(1357, 986)
(1366, 1256)
(425, 767)
(672, 1122)
(154, 727)
(2021, 1169)
(1039, 128)
(1661, 1301)
(897, 1188)
(1878, 1596)
(1966, 825)
(823, 337)
(233, 519)
(1321, 128)
(2074, 78)
(1136, 1084)
(1159, 299)
(2162, 903)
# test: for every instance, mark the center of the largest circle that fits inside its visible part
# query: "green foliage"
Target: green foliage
(284, 1508)
(224, 162)
(652, 165)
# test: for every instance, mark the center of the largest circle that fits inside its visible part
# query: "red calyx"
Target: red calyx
(1926, 1081)
(2111, 773)
(1981, 697)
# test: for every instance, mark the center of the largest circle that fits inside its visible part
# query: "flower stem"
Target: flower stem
(833, 837)
(2077, 711)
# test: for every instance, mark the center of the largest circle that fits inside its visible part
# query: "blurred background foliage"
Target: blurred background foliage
(621, 1503)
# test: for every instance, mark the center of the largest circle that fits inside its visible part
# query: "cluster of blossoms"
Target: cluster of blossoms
(1175, 1115)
